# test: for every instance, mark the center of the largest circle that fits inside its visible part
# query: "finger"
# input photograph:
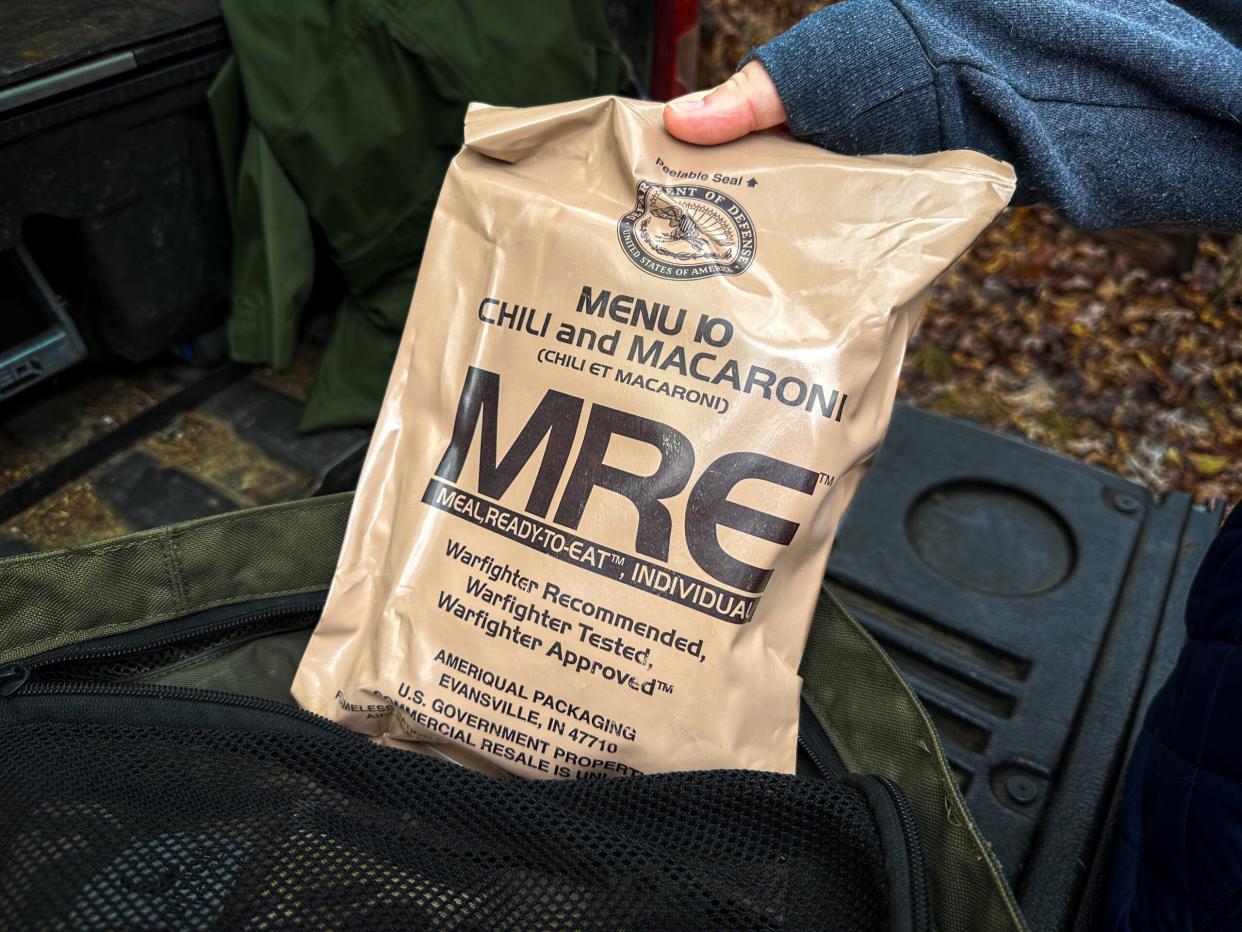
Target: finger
(747, 102)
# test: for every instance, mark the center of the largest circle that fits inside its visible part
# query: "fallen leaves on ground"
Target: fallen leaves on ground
(1060, 336)
(729, 29)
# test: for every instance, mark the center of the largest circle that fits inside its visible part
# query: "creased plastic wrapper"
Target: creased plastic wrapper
(639, 385)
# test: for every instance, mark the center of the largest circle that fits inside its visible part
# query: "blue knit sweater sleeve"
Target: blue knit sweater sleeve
(1116, 112)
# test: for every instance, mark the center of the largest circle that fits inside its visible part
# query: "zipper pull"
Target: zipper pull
(13, 677)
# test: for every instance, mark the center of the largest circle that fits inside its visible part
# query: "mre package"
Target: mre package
(640, 382)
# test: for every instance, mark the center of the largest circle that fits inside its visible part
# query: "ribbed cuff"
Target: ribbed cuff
(854, 78)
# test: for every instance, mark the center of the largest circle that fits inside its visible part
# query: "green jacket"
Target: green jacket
(342, 117)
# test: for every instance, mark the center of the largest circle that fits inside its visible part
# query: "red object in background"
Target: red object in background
(674, 48)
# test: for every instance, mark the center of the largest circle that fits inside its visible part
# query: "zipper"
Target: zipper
(815, 743)
(175, 693)
(201, 624)
(21, 679)
(915, 899)
(13, 677)
(905, 861)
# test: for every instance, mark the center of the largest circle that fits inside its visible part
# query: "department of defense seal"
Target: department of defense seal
(687, 231)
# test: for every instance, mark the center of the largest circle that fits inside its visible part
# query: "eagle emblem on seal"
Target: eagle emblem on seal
(694, 231)
(686, 231)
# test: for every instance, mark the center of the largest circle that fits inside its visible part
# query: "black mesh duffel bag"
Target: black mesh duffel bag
(157, 775)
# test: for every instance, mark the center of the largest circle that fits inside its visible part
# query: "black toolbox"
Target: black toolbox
(114, 232)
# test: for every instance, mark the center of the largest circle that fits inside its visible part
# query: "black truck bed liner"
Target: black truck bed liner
(1034, 604)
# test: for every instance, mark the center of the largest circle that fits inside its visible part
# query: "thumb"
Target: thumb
(747, 102)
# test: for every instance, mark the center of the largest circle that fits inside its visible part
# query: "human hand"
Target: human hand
(746, 103)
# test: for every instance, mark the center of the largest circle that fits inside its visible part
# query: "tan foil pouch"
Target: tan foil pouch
(640, 382)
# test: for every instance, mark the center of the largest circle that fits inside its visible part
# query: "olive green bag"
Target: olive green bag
(110, 653)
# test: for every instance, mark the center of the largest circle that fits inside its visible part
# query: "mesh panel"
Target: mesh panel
(105, 827)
